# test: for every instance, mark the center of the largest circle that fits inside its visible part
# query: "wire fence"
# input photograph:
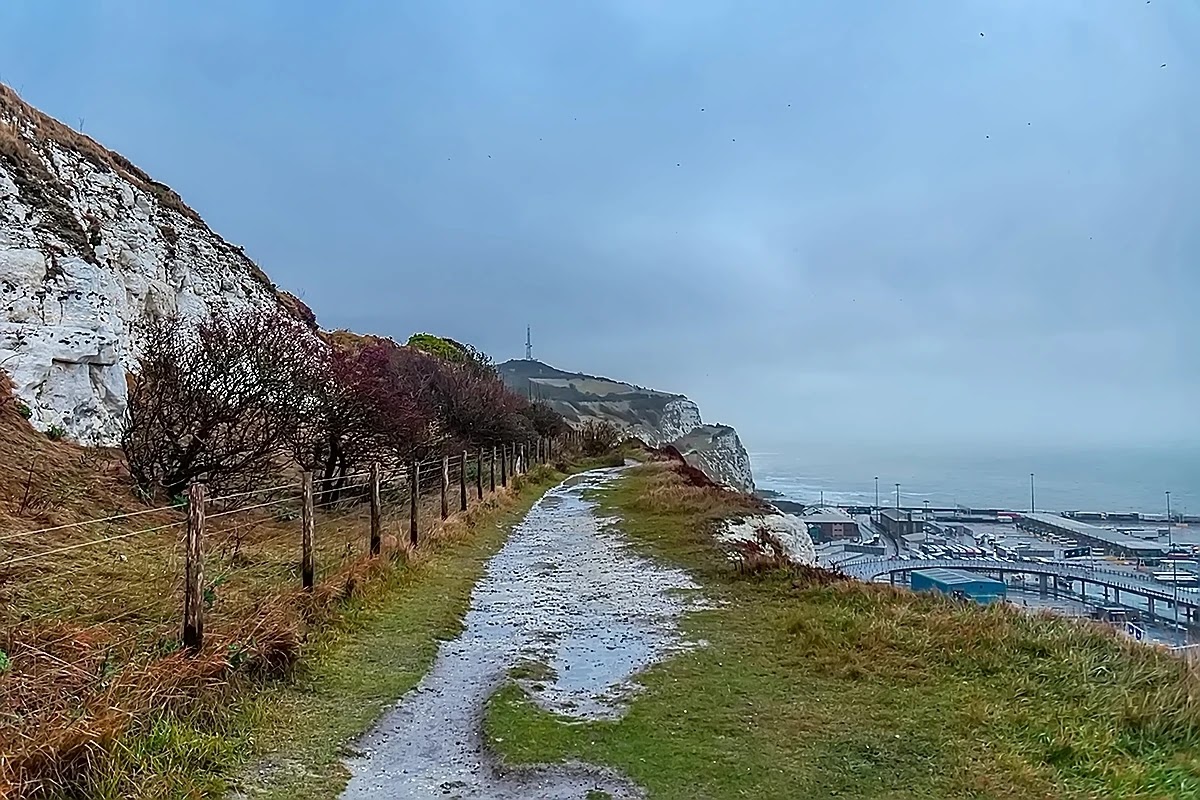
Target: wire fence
(80, 602)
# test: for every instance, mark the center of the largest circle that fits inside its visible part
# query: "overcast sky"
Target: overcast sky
(962, 221)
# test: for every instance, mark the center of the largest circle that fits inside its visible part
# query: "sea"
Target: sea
(1093, 478)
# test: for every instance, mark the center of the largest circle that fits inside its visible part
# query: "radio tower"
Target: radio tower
(528, 345)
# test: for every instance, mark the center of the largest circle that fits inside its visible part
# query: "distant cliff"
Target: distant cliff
(658, 418)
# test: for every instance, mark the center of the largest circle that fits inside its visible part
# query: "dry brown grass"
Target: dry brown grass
(46, 128)
(90, 636)
(671, 487)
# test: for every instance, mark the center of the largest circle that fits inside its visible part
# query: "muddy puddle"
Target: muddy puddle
(569, 608)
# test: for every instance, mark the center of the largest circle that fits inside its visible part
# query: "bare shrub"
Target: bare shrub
(599, 437)
(218, 398)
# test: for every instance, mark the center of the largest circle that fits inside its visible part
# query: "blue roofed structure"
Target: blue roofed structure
(958, 583)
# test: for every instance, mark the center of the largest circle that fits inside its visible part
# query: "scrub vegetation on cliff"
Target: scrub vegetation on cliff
(808, 685)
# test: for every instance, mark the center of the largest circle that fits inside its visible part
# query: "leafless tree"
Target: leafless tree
(218, 399)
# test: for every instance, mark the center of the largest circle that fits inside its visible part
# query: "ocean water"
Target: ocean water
(1066, 479)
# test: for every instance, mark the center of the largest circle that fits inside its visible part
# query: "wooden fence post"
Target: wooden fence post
(376, 526)
(307, 568)
(503, 465)
(524, 467)
(414, 488)
(492, 466)
(193, 587)
(462, 484)
(479, 475)
(445, 479)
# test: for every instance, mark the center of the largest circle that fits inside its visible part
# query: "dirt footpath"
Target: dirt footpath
(565, 591)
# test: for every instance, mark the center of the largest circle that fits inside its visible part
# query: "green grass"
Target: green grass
(848, 690)
(288, 739)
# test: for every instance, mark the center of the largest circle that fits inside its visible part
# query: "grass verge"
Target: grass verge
(815, 688)
(380, 650)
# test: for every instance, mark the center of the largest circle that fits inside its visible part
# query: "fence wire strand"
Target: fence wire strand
(87, 522)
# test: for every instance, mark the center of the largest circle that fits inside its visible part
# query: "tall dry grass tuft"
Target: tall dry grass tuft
(62, 712)
(896, 637)
(666, 489)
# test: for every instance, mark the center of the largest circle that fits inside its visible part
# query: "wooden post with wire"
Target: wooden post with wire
(414, 489)
(524, 463)
(376, 526)
(307, 568)
(445, 479)
(492, 466)
(503, 465)
(193, 587)
(479, 476)
(462, 483)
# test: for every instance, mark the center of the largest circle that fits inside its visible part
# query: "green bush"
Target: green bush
(56, 433)
(24, 410)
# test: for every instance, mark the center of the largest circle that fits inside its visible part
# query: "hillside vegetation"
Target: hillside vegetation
(578, 397)
(812, 686)
(97, 697)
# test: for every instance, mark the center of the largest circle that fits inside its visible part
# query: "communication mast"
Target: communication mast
(528, 345)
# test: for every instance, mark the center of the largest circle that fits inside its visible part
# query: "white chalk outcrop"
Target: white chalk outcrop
(679, 418)
(716, 450)
(790, 532)
(90, 250)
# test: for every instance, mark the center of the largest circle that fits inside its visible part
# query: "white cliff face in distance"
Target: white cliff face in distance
(90, 250)
(716, 450)
(657, 418)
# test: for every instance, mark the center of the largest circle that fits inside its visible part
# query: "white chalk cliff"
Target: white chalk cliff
(91, 248)
(657, 418)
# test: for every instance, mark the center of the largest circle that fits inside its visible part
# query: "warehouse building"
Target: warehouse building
(1109, 542)
(958, 583)
(899, 523)
(827, 525)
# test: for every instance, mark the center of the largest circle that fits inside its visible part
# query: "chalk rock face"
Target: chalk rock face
(717, 451)
(657, 418)
(790, 532)
(91, 249)
(679, 418)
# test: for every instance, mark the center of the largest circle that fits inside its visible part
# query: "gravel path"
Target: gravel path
(565, 591)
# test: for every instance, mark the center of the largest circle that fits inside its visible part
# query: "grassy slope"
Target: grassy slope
(850, 690)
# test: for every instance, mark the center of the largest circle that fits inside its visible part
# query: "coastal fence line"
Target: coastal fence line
(215, 559)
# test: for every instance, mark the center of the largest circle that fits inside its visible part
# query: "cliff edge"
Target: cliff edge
(657, 418)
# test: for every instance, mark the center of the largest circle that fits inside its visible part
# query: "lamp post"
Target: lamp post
(1032, 505)
(876, 492)
(897, 497)
(1174, 576)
